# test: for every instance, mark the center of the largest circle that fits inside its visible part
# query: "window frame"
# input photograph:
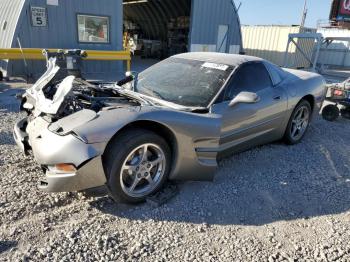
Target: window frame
(99, 16)
(226, 89)
(277, 70)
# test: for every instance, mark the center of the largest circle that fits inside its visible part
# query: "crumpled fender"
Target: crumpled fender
(65, 125)
(107, 123)
(197, 136)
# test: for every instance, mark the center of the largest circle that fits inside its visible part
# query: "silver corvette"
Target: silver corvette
(172, 121)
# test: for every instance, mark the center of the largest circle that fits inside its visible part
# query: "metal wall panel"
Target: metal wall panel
(308, 46)
(337, 53)
(207, 16)
(10, 11)
(270, 42)
(61, 32)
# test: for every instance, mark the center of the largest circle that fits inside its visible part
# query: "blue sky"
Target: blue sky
(284, 12)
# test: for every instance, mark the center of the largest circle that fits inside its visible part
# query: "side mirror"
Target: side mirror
(131, 73)
(246, 98)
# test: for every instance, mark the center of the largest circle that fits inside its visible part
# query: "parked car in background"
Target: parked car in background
(173, 121)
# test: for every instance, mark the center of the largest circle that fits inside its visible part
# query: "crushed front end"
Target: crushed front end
(56, 104)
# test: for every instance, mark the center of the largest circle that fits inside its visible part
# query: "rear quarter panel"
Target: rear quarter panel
(300, 84)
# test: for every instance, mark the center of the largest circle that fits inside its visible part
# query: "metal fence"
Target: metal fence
(269, 42)
(338, 52)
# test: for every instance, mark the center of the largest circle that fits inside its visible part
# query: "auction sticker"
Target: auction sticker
(215, 66)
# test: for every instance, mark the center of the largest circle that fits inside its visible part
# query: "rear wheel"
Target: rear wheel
(298, 123)
(330, 113)
(137, 165)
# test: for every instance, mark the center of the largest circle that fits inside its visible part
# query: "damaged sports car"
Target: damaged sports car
(170, 122)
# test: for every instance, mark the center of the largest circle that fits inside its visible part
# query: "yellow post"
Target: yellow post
(128, 65)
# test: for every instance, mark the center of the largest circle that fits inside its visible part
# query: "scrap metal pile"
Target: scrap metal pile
(339, 97)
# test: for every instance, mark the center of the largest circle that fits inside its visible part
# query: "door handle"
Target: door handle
(277, 98)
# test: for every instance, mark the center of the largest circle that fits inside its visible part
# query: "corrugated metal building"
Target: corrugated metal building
(57, 27)
(338, 52)
(215, 27)
(159, 28)
(270, 43)
(9, 15)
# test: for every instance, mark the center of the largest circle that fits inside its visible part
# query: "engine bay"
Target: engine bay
(61, 92)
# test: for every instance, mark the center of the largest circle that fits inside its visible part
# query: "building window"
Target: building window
(93, 29)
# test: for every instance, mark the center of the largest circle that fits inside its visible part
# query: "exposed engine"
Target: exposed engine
(61, 91)
(85, 95)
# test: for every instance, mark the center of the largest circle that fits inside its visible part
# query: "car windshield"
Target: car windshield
(185, 82)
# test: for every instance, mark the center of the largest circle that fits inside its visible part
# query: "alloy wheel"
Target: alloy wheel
(300, 123)
(142, 170)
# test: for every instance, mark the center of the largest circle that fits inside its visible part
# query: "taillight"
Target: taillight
(338, 92)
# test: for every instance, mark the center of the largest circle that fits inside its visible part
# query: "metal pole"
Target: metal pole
(286, 53)
(318, 48)
(24, 59)
(303, 17)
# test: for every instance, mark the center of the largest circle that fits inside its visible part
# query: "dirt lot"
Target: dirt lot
(272, 203)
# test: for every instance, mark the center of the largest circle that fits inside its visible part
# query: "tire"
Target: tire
(297, 127)
(1, 76)
(133, 175)
(330, 113)
(345, 113)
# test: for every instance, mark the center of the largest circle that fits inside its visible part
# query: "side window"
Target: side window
(249, 78)
(275, 73)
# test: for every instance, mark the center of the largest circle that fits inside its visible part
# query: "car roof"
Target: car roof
(219, 58)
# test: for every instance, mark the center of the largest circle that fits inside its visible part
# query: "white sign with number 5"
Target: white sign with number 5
(39, 17)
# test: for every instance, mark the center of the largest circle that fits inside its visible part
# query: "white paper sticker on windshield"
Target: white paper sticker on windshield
(215, 66)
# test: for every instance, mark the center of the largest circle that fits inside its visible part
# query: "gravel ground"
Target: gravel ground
(272, 203)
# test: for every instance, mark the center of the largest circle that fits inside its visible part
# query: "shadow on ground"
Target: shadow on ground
(267, 184)
(8, 101)
(7, 245)
(6, 138)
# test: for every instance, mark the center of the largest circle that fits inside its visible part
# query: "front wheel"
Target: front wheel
(298, 123)
(137, 165)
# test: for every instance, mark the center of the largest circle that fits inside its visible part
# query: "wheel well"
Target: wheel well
(155, 127)
(311, 100)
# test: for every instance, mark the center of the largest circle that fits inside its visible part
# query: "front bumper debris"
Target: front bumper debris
(87, 176)
(50, 149)
(20, 136)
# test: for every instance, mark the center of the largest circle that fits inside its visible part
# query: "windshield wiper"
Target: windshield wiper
(153, 93)
(158, 101)
(200, 110)
(132, 94)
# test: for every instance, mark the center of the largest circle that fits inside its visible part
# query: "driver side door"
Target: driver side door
(245, 125)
